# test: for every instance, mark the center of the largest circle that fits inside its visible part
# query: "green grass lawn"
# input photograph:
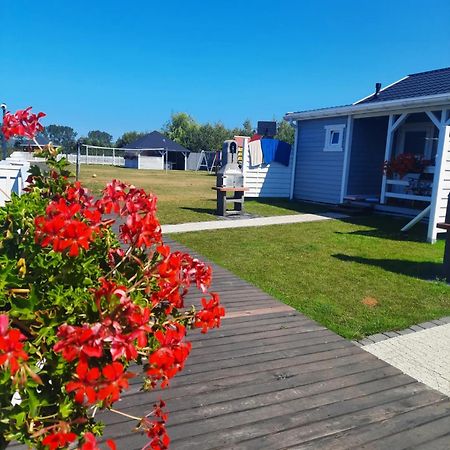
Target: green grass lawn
(184, 196)
(335, 271)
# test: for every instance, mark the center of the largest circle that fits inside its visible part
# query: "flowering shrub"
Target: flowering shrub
(89, 292)
(405, 163)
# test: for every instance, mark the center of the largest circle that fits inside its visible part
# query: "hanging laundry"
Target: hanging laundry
(255, 151)
(275, 150)
(269, 147)
(283, 153)
(255, 137)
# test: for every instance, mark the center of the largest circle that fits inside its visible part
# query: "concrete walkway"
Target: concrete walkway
(423, 355)
(255, 222)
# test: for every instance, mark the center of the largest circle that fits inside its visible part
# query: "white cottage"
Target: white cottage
(339, 152)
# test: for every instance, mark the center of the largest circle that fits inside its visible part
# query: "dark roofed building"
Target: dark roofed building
(155, 151)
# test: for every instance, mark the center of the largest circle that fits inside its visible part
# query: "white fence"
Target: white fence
(266, 180)
(97, 159)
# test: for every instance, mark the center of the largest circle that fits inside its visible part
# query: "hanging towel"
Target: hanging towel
(256, 156)
(269, 147)
(283, 153)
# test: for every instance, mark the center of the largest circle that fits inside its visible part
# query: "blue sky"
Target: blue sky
(119, 66)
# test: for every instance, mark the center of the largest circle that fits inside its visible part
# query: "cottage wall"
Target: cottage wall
(318, 173)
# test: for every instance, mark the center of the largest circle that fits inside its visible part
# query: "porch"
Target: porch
(415, 181)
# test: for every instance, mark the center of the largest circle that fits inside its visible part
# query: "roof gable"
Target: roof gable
(433, 82)
(156, 140)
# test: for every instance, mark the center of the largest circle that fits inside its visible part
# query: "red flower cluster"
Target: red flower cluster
(90, 443)
(58, 439)
(169, 359)
(209, 316)
(176, 272)
(103, 386)
(22, 123)
(63, 227)
(11, 347)
(142, 228)
(155, 428)
(405, 163)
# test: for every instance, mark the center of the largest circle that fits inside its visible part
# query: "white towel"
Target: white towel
(256, 155)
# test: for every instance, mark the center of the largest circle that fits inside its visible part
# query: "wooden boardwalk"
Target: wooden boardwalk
(270, 378)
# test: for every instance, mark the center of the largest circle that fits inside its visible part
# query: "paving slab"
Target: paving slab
(424, 355)
(254, 222)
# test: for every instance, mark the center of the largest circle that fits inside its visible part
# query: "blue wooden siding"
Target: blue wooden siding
(318, 174)
(367, 156)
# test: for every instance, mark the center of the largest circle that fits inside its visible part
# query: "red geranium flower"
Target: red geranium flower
(85, 386)
(115, 381)
(22, 123)
(209, 316)
(11, 347)
(58, 439)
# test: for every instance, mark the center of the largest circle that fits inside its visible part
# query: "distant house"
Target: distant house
(155, 151)
(340, 151)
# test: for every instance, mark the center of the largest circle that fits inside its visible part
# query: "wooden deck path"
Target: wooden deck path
(270, 378)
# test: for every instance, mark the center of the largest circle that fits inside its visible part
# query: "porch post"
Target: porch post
(387, 156)
(294, 159)
(392, 126)
(438, 177)
(347, 152)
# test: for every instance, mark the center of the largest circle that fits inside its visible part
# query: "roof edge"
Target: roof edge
(428, 100)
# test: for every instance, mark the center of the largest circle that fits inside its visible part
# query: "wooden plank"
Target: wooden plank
(262, 428)
(360, 436)
(181, 398)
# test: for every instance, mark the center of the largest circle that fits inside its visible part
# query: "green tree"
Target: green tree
(285, 132)
(182, 128)
(61, 136)
(247, 129)
(128, 137)
(98, 138)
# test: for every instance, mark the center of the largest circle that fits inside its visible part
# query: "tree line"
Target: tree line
(181, 128)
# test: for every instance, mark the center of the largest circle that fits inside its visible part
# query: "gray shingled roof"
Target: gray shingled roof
(420, 84)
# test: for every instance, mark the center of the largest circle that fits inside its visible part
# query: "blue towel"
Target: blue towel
(275, 150)
(283, 153)
(269, 148)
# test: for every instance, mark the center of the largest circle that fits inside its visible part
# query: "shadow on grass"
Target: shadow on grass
(422, 270)
(207, 211)
(291, 205)
(385, 227)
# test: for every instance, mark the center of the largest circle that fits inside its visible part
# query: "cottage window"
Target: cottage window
(334, 137)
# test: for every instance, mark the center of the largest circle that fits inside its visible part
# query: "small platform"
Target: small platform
(237, 200)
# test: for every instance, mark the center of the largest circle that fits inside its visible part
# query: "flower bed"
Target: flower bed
(79, 305)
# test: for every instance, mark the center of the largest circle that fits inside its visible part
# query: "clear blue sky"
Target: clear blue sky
(127, 65)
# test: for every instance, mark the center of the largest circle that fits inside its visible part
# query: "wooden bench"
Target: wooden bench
(237, 200)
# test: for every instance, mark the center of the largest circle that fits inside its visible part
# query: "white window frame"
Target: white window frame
(329, 130)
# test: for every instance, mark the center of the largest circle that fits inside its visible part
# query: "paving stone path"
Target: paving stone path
(254, 222)
(424, 355)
